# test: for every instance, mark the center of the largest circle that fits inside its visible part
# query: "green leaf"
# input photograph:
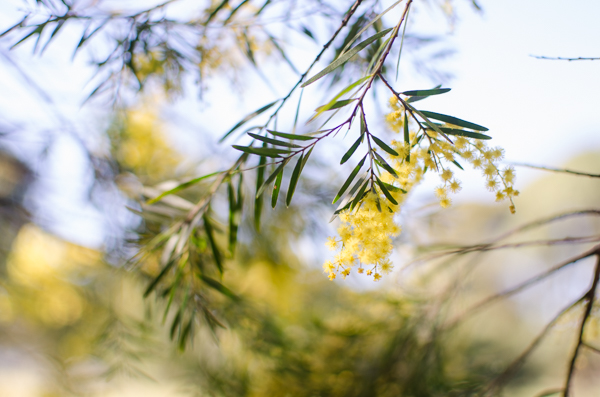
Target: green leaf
(38, 30)
(291, 136)
(382, 163)
(360, 194)
(384, 146)
(306, 158)
(458, 165)
(350, 179)
(393, 188)
(215, 11)
(182, 186)
(185, 333)
(406, 137)
(233, 217)
(276, 189)
(258, 200)
(271, 177)
(468, 134)
(426, 93)
(335, 105)
(351, 151)
(262, 151)
(385, 192)
(453, 120)
(213, 244)
(248, 118)
(346, 56)
(347, 201)
(174, 325)
(368, 25)
(157, 279)
(294, 180)
(211, 282)
(236, 9)
(273, 141)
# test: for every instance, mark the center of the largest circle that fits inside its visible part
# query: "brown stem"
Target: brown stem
(589, 296)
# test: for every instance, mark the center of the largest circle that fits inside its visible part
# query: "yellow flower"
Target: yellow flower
(331, 243)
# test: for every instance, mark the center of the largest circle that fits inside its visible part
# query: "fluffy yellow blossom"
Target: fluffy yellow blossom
(331, 243)
(366, 231)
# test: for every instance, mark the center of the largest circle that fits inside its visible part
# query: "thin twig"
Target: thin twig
(562, 170)
(592, 348)
(521, 286)
(564, 59)
(589, 296)
(510, 371)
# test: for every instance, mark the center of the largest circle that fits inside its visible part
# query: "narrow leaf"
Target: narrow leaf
(385, 192)
(349, 179)
(211, 282)
(468, 134)
(456, 163)
(406, 137)
(182, 186)
(346, 56)
(248, 118)
(276, 189)
(261, 151)
(213, 244)
(382, 163)
(335, 105)
(294, 180)
(384, 146)
(351, 151)
(425, 93)
(359, 195)
(272, 141)
(184, 334)
(258, 200)
(454, 120)
(291, 136)
(271, 178)
(157, 279)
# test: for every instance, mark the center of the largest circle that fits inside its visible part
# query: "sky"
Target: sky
(540, 111)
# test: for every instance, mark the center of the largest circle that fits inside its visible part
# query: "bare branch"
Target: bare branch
(564, 59)
(512, 369)
(589, 296)
(522, 286)
(563, 170)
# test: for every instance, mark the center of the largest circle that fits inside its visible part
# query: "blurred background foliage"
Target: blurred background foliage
(83, 321)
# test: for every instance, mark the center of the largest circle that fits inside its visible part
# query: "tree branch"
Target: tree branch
(589, 296)
(564, 59)
(563, 170)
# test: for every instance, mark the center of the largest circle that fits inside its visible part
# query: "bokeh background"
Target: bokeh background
(73, 319)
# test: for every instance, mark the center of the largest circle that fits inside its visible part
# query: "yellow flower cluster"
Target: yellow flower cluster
(365, 238)
(365, 234)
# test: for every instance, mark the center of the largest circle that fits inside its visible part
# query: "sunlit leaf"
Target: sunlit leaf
(211, 282)
(180, 187)
(346, 56)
